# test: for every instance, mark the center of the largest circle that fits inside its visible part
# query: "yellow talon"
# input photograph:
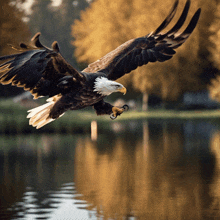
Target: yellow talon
(117, 111)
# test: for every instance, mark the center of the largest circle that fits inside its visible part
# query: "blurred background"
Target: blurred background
(86, 30)
(159, 160)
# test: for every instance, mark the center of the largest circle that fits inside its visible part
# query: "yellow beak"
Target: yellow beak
(123, 90)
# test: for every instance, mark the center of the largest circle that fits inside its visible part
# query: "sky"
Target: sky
(27, 5)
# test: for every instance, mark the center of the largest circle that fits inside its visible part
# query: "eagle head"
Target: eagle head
(105, 86)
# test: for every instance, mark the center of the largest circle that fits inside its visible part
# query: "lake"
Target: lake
(150, 169)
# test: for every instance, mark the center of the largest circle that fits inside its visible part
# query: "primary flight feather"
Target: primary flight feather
(44, 72)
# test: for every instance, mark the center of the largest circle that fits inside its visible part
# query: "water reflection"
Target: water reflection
(31, 168)
(214, 208)
(145, 170)
(166, 174)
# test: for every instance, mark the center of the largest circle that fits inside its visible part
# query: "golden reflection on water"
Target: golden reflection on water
(154, 179)
(159, 172)
(214, 208)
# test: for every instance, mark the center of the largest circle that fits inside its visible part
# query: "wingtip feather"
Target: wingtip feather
(167, 19)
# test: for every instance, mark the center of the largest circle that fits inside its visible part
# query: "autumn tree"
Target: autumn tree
(169, 79)
(107, 24)
(13, 31)
(98, 31)
(213, 51)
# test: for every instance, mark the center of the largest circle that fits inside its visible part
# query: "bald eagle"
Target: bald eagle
(44, 72)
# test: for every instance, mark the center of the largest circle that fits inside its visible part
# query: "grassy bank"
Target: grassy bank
(173, 114)
(13, 118)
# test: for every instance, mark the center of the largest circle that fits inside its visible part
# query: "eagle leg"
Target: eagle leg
(103, 108)
(118, 111)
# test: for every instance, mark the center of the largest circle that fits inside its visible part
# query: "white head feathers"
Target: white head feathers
(105, 87)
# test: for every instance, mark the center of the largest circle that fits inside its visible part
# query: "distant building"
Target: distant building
(199, 100)
(189, 101)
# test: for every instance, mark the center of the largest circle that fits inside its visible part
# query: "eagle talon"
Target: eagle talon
(112, 116)
(118, 111)
(125, 107)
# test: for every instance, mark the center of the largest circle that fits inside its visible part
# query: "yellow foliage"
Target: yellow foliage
(215, 38)
(214, 48)
(107, 24)
(13, 29)
(98, 32)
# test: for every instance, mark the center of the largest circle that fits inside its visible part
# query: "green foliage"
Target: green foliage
(107, 24)
(13, 119)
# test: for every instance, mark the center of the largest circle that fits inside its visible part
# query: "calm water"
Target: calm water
(139, 170)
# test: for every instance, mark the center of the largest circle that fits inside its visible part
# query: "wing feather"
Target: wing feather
(156, 46)
(37, 69)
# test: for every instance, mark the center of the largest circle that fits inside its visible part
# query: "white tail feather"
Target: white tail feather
(39, 116)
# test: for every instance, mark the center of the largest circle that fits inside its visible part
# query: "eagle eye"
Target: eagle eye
(117, 86)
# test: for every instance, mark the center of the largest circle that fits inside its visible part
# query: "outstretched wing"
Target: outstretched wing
(150, 48)
(38, 69)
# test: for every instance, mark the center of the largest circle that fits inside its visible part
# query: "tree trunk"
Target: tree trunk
(145, 102)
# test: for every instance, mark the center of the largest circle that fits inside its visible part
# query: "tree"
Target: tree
(13, 31)
(54, 23)
(107, 24)
(169, 79)
(98, 31)
(213, 51)
(44, 20)
(69, 11)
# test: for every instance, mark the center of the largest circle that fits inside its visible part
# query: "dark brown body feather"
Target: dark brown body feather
(78, 98)
(44, 72)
